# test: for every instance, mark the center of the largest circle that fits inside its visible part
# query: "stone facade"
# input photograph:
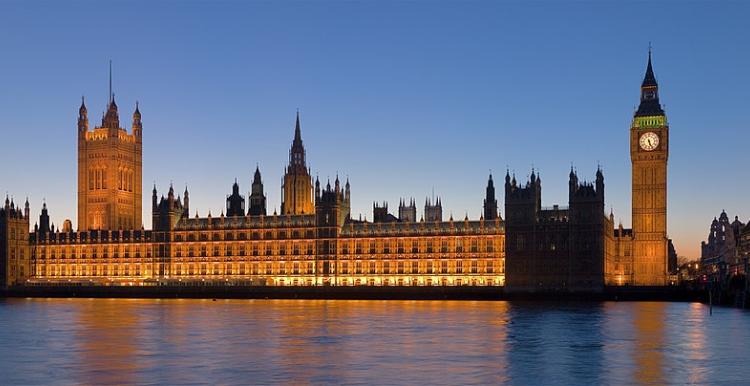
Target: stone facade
(309, 243)
(15, 256)
(109, 172)
(556, 249)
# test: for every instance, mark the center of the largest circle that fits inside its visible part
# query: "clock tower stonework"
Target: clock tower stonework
(649, 151)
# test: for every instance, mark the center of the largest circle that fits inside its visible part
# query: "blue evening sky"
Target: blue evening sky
(402, 96)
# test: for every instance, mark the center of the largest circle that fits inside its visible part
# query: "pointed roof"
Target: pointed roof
(297, 152)
(649, 105)
(649, 80)
(297, 131)
(82, 109)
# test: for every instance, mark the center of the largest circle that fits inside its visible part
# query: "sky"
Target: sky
(406, 98)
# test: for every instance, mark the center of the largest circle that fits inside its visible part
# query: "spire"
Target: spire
(298, 132)
(83, 119)
(649, 80)
(297, 152)
(82, 110)
(111, 95)
(649, 105)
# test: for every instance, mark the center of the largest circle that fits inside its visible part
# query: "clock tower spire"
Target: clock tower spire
(649, 150)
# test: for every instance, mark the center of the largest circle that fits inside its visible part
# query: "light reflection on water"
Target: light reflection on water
(111, 341)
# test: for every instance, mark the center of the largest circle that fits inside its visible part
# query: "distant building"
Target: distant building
(724, 246)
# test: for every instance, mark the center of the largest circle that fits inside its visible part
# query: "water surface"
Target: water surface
(118, 341)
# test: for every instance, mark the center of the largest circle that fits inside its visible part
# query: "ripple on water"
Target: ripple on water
(73, 341)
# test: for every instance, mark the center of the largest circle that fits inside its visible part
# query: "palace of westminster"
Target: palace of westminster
(314, 241)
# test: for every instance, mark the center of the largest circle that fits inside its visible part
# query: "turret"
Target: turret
(347, 191)
(572, 183)
(168, 211)
(44, 225)
(379, 212)
(407, 213)
(522, 203)
(235, 202)
(83, 118)
(331, 210)
(137, 124)
(490, 202)
(153, 199)
(26, 211)
(257, 197)
(111, 118)
(433, 211)
(507, 181)
(185, 203)
(600, 183)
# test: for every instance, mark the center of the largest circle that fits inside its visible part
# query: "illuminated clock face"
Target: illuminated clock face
(649, 141)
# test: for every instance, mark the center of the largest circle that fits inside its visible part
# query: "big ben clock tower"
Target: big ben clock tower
(649, 150)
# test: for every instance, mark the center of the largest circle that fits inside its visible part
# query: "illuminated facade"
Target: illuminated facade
(296, 187)
(109, 172)
(15, 258)
(312, 242)
(315, 241)
(642, 252)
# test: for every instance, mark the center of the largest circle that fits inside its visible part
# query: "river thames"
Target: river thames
(100, 341)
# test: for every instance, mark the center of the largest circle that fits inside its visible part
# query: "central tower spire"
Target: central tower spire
(297, 189)
(297, 152)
